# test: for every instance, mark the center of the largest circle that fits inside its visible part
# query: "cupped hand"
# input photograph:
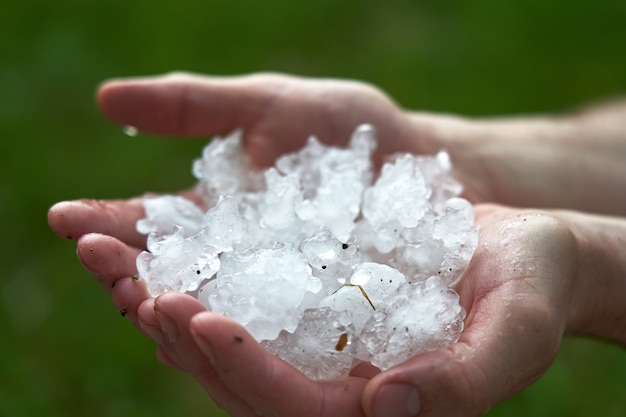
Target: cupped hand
(517, 293)
(276, 112)
(519, 161)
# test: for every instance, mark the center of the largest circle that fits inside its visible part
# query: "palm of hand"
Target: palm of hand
(514, 291)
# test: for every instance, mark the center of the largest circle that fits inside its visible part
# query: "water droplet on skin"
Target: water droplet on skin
(131, 131)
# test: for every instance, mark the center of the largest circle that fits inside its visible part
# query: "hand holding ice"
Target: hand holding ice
(319, 263)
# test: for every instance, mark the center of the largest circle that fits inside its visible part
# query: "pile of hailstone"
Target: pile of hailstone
(324, 266)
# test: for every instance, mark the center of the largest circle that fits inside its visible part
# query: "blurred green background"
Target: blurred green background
(64, 349)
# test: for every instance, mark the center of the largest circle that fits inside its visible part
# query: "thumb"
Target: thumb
(494, 359)
(516, 291)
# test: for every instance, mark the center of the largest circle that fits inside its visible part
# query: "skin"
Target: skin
(535, 276)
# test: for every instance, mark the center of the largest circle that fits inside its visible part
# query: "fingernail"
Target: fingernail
(205, 347)
(168, 326)
(397, 400)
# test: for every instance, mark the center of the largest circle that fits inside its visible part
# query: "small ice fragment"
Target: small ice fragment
(223, 226)
(164, 214)
(176, 263)
(457, 219)
(350, 299)
(321, 347)
(331, 260)
(224, 169)
(399, 197)
(131, 131)
(363, 140)
(380, 282)
(279, 201)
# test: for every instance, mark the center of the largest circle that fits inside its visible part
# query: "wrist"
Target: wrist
(598, 308)
(563, 161)
(511, 161)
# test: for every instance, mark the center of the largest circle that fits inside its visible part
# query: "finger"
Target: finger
(106, 258)
(269, 385)
(277, 112)
(514, 329)
(113, 264)
(150, 325)
(186, 104)
(173, 313)
(164, 358)
(116, 218)
(128, 294)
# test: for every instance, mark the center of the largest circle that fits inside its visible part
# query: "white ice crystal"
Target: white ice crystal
(424, 316)
(320, 263)
(166, 213)
(269, 286)
(322, 345)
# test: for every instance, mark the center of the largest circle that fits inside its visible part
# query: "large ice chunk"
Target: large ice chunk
(264, 289)
(422, 317)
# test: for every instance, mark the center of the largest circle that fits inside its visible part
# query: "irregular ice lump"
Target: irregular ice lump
(320, 263)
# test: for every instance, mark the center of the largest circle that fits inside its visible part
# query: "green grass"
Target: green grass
(64, 350)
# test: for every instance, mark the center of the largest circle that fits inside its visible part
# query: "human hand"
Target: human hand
(276, 112)
(566, 161)
(514, 322)
(522, 293)
(279, 112)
